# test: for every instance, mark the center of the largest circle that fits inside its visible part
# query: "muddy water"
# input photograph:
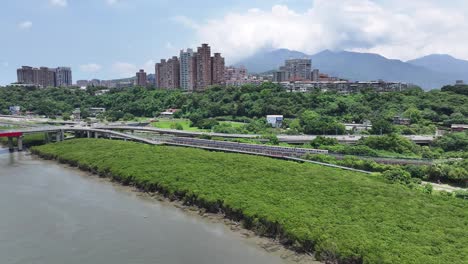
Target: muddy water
(52, 214)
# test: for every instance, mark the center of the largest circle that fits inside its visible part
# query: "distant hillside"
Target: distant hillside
(266, 61)
(444, 63)
(355, 66)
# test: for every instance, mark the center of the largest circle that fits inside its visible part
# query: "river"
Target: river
(52, 214)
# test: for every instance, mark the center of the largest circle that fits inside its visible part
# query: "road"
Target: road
(444, 187)
(293, 139)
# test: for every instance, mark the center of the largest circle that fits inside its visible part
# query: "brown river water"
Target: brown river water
(53, 214)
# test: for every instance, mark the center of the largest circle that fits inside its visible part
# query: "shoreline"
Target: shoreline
(269, 245)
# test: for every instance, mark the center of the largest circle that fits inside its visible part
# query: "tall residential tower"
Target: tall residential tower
(217, 69)
(141, 79)
(203, 65)
(63, 76)
(187, 70)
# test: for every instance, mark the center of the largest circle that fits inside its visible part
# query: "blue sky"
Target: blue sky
(113, 38)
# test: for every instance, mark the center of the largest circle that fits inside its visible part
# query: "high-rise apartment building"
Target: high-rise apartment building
(141, 79)
(193, 71)
(63, 76)
(173, 73)
(25, 75)
(187, 70)
(299, 69)
(217, 69)
(159, 76)
(281, 75)
(168, 73)
(203, 65)
(44, 76)
(315, 75)
(82, 83)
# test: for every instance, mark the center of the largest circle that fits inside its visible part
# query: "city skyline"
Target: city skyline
(105, 39)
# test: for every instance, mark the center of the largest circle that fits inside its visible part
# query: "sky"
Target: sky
(108, 39)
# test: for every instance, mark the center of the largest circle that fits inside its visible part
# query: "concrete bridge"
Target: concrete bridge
(57, 134)
(292, 139)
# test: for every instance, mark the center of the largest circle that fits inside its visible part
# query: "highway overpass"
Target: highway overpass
(292, 139)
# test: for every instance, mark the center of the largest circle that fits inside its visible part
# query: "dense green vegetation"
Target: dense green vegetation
(341, 215)
(180, 124)
(392, 145)
(315, 112)
(459, 89)
(28, 140)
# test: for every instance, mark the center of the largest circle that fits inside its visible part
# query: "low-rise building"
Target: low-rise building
(169, 113)
(15, 110)
(343, 86)
(275, 121)
(94, 111)
(398, 120)
(365, 126)
(76, 114)
(459, 127)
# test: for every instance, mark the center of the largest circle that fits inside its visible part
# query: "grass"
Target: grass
(342, 216)
(168, 124)
(28, 140)
(233, 124)
(7, 127)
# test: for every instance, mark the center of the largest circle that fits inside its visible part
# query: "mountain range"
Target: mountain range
(429, 72)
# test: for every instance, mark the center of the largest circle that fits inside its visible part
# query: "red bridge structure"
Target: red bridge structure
(10, 136)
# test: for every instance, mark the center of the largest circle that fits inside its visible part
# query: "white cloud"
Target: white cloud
(148, 66)
(60, 3)
(90, 67)
(124, 69)
(187, 22)
(25, 25)
(169, 46)
(395, 29)
(112, 2)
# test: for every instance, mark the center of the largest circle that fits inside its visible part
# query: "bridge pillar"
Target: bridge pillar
(96, 135)
(47, 138)
(20, 143)
(58, 137)
(10, 144)
(88, 134)
(62, 135)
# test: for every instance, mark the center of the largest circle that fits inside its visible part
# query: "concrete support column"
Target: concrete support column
(10, 144)
(88, 134)
(62, 135)
(96, 135)
(47, 138)
(20, 143)
(58, 137)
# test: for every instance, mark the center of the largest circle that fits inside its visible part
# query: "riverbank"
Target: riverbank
(341, 216)
(53, 213)
(271, 246)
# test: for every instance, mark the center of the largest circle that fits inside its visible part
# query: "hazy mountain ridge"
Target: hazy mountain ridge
(425, 72)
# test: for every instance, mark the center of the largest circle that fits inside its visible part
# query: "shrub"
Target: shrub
(397, 176)
(347, 217)
(177, 126)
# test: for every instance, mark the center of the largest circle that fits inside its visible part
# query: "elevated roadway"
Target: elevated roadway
(292, 139)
